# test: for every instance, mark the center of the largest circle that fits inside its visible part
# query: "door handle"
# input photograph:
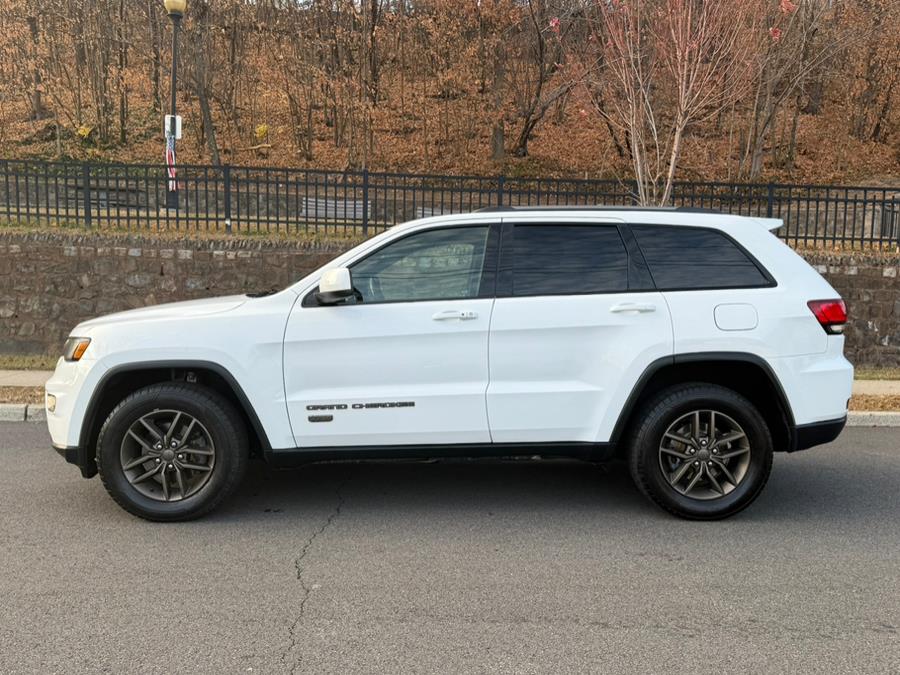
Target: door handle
(450, 314)
(638, 307)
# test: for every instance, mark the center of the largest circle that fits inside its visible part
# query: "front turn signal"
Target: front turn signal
(75, 348)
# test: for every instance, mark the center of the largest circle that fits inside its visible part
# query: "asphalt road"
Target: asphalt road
(454, 567)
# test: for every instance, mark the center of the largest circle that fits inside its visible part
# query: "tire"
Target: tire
(656, 456)
(196, 469)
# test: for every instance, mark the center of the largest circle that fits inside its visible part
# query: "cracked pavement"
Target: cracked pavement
(454, 567)
(299, 565)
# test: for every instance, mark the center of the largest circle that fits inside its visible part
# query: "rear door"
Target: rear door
(575, 323)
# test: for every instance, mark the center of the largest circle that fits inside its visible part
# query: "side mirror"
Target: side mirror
(334, 286)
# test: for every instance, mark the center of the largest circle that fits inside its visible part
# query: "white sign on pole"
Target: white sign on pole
(168, 126)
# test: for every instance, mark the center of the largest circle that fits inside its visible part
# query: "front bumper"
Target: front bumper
(817, 433)
(80, 457)
(72, 383)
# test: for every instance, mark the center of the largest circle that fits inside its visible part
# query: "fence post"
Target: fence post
(500, 182)
(6, 193)
(86, 180)
(226, 174)
(770, 202)
(365, 213)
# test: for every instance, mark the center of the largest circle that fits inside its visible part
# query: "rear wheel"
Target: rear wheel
(701, 451)
(172, 451)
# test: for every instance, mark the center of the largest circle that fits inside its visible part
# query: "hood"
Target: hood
(171, 310)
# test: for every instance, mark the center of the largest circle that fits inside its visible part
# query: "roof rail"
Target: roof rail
(576, 207)
(697, 209)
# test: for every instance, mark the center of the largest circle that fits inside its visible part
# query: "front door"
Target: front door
(406, 364)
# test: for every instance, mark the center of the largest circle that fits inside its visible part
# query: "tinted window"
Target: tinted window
(568, 259)
(434, 265)
(690, 258)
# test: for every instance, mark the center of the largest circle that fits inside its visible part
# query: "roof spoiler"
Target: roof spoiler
(770, 224)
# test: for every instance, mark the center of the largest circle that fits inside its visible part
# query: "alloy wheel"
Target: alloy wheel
(704, 454)
(167, 455)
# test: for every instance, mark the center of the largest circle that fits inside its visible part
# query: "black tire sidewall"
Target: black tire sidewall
(668, 408)
(211, 410)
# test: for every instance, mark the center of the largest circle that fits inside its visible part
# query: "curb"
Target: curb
(22, 412)
(36, 413)
(13, 412)
(873, 419)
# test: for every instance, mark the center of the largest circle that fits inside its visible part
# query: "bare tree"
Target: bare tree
(199, 69)
(665, 65)
(680, 87)
(536, 69)
(789, 46)
(875, 64)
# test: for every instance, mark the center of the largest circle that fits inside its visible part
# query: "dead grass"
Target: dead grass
(117, 225)
(889, 403)
(22, 395)
(877, 374)
(125, 222)
(27, 362)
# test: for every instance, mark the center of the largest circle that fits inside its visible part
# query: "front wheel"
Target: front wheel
(701, 451)
(172, 451)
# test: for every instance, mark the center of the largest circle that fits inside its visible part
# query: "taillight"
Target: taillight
(831, 314)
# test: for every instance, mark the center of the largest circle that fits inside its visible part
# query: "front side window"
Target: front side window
(440, 264)
(568, 260)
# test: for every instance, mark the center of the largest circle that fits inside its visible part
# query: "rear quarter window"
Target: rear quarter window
(690, 258)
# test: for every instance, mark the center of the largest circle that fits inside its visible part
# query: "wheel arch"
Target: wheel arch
(755, 380)
(120, 381)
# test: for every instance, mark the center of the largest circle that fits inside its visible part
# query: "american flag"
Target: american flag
(170, 161)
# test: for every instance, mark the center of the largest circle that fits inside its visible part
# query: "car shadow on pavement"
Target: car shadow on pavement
(445, 486)
(800, 489)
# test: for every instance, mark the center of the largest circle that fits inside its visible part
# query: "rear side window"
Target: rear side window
(568, 260)
(688, 258)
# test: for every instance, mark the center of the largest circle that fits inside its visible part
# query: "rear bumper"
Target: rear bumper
(79, 457)
(817, 433)
(818, 386)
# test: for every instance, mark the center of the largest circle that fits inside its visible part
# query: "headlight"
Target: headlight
(75, 348)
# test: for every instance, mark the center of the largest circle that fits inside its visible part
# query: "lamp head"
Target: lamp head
(175, 8)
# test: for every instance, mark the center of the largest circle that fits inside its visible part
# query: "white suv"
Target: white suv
(692, 344)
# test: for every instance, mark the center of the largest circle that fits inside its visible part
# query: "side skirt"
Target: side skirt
(290, 457)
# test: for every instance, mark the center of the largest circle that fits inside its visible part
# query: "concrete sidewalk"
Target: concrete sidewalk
(37, 378)
(24, 378)
(877, 387)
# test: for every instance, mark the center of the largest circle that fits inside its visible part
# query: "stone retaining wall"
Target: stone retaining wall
(51, 281)
(868, 283)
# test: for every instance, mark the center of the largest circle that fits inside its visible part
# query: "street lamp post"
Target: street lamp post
(175, 9)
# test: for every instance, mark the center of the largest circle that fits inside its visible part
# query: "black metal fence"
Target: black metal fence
(260, 199)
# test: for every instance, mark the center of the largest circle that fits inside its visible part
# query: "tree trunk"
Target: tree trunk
(498, 142)
(673, 163)
(208, 126)
(520, 149)
(120, 79)
(792, 143)
(155, 61)
(38, 110)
